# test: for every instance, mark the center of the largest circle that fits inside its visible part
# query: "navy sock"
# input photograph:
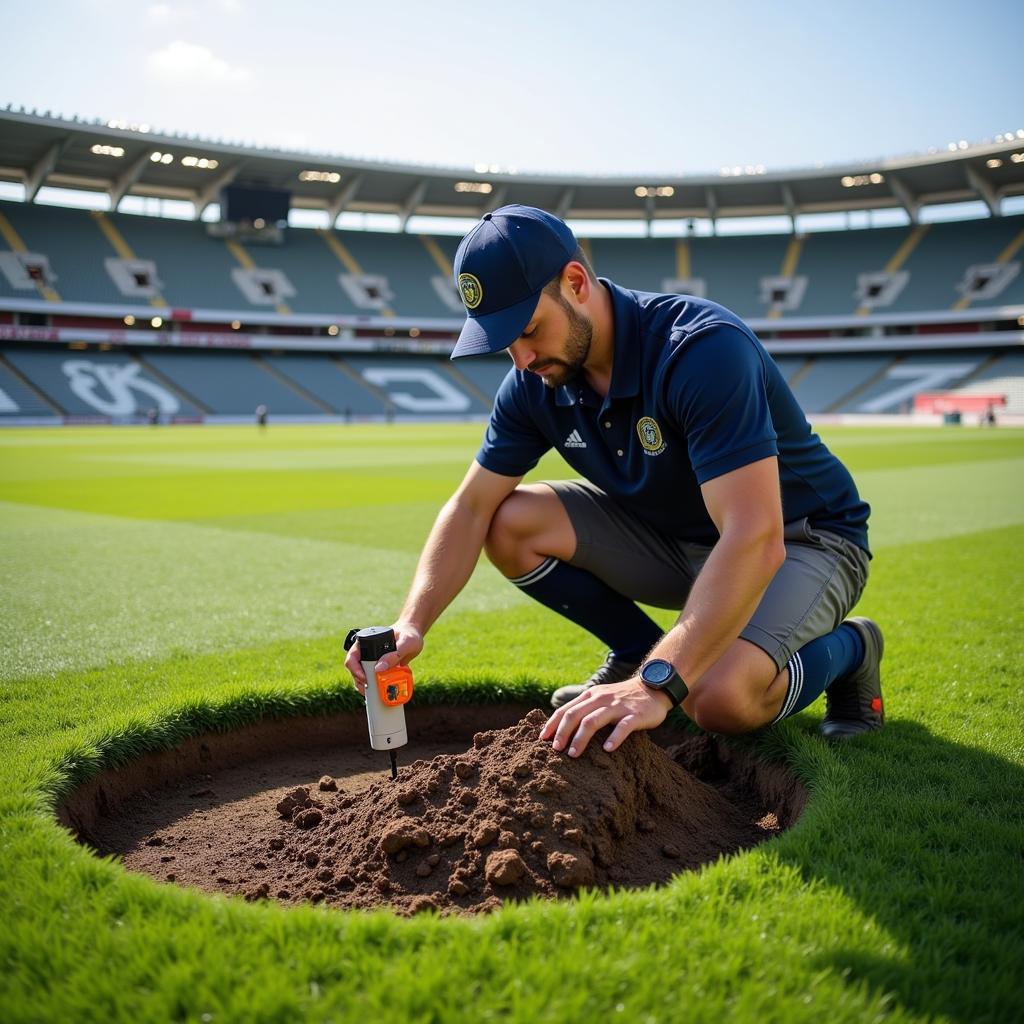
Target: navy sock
(817, 665)
(589, 602)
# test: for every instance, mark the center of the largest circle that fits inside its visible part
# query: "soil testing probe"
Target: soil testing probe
(386, 692)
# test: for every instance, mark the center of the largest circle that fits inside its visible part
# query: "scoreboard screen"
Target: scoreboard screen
(242, 204)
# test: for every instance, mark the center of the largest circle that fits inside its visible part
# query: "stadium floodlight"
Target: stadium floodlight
(333, 330)
(332, 177)
(236, 325)
(129, 321)
(993, 163)
(156, 322)
(484, 188)
(102, 150)
(856, 180)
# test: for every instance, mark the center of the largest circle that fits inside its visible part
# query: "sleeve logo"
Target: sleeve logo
(471, 290)
(650, 436)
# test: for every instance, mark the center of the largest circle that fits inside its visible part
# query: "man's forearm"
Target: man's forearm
(722, 601)
(446, 563)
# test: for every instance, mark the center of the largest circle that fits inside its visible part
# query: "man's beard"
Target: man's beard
(577, 348)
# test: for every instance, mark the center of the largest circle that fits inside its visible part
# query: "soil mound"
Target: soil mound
(508, 819)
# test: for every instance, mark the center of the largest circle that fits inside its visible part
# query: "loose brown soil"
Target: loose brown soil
(462, 830)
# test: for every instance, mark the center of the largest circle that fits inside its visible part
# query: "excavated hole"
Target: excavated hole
(482, 812)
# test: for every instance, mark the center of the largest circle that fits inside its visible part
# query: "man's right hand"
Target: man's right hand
(409, 642)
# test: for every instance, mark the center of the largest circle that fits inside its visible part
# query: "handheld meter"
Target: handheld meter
(386, 692)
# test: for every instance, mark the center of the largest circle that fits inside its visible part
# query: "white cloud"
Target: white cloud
(181, 61)
(161, 12)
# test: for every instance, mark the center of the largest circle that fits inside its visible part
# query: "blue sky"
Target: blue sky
(591, 87)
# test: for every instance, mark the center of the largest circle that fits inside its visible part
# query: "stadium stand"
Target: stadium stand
(892, 389)
(1002, 375)
(74, 246)
(420, 386)
(193, 270)
(131, 268)
(92, 384)
(939, 263)
(331, 383)
(485, 373)
(230, 383)
(789, 365)
(17, 399)
(833, 262)
(830, 380)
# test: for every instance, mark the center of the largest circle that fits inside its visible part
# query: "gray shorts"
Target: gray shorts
(813, 591)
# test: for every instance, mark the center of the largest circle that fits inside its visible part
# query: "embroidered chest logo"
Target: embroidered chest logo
(650, 436)
(471, 290)
(574, 441)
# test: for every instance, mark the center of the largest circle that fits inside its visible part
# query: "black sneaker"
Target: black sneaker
(614, 670)
(853, 704)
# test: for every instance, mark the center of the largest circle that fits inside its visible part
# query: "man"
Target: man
(704, 491)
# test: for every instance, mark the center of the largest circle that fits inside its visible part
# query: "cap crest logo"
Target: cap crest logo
(471, 290)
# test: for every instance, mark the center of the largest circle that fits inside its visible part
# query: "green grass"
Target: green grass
(162, 582)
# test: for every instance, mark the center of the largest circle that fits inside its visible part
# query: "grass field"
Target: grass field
(156, 582)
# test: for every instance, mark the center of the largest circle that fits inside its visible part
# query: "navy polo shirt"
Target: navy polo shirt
(693, 395)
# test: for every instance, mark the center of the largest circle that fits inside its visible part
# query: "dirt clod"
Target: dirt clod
(570, 871)
(504, 867)
(309, 818)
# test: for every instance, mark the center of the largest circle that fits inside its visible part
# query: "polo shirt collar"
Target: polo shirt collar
(627, 351)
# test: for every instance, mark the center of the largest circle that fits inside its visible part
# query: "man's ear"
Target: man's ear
(576, 276)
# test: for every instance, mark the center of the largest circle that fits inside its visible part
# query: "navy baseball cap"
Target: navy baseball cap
(501, 267)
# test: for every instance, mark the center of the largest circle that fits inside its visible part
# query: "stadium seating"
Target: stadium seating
(939, 262)
(892, 389)
(1003, 375)
(829, 380)
(75, 246)
(230, 383)
(131, 262)
(418, 386)
(833, 260)
(330, 382)
(19, 400)
(196, 271)
(98, 384)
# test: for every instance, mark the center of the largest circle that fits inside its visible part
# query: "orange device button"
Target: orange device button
(395, 685)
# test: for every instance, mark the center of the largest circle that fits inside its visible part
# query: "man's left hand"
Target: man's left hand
(628, 705)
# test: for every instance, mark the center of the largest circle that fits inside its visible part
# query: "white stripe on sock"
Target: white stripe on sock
(535, 574)
(796, 685)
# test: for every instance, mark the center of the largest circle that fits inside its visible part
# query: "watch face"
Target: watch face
(657, 672)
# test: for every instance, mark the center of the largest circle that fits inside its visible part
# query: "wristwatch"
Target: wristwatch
(659, 674)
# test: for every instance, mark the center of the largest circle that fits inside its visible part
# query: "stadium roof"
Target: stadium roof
(119, 159)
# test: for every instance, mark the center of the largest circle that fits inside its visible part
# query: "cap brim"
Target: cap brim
(495, 331)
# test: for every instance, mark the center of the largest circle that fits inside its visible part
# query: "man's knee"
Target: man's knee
(526, 522)
(725, 710)
(733, 696)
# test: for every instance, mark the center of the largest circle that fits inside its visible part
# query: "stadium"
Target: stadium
(231, 418)
(205, 320)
